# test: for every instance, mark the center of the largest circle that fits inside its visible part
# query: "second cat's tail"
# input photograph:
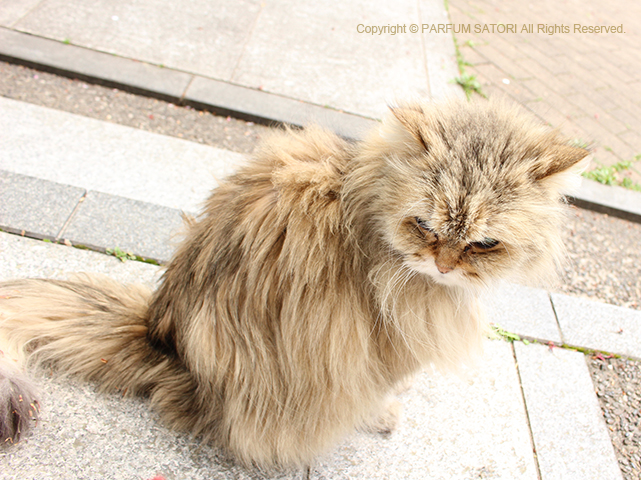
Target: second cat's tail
(90, 327)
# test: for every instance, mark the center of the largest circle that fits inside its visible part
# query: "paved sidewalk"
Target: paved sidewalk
(587, 84)
(486, 423)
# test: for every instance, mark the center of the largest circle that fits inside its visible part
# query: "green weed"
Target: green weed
(120, 254)
(470, 84)
(498, 332)
(615, 174)
(467, 81)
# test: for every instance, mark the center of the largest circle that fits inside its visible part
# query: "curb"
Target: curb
(612, 200)
(240, 102)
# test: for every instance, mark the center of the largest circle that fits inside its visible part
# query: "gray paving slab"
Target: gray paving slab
(28, 258)
(199, 36)
(307, 51)
(86, 435)
(13, 10)
(616, 201)
(599, 326)
(567, 425)
(525, 311)
(473, 426)
(105, 157)
(106, 221)
(86, 64)
(83, 434)
(37, 207)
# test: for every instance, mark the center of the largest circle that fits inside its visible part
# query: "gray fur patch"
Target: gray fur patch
(18, 405)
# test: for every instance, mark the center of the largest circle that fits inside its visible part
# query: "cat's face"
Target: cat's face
(472, 193)
(466, 243)
(449, 260)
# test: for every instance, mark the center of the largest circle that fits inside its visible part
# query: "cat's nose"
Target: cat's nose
(443, 269)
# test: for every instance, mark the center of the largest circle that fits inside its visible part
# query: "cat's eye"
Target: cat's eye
(485, 244)
(429, 234)
(423, 224)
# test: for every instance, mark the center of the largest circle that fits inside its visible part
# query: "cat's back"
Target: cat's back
(307, 165)
(285, 203)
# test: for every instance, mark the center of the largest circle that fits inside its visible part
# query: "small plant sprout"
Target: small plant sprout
(120, 254)
(615, 174)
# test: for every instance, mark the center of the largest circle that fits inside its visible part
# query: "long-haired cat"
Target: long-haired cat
(317, 277)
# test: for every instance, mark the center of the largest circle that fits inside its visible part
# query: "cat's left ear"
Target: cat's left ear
(560, 167)
(560, 158)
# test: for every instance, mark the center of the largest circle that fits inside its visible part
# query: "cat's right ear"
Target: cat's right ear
(413, 119)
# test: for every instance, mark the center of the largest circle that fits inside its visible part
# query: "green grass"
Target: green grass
(615, 174)
(470, 84)
(117, 252)
(498, 333)
(120, 254)
(467, 81)
(124, 256)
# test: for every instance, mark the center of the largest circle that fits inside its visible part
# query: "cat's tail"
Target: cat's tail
(90, 327)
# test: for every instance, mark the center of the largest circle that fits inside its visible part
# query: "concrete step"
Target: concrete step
(109, 158)
(99, 184)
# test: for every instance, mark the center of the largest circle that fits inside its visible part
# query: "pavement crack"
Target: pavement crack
(527, 413)
(71, 215)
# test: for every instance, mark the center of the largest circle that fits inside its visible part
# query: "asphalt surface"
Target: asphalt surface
(604, 261)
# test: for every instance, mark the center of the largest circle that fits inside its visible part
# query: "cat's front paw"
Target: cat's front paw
(387, 419)
(18, 405)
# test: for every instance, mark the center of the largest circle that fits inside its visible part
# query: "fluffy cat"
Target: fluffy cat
(317, 278)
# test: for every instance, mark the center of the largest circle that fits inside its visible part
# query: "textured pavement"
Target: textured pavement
(526, 411)
(257, 44)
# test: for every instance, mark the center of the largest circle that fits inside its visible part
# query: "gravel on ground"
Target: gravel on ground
(617, 384)
(604, 254)
(603, 259)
